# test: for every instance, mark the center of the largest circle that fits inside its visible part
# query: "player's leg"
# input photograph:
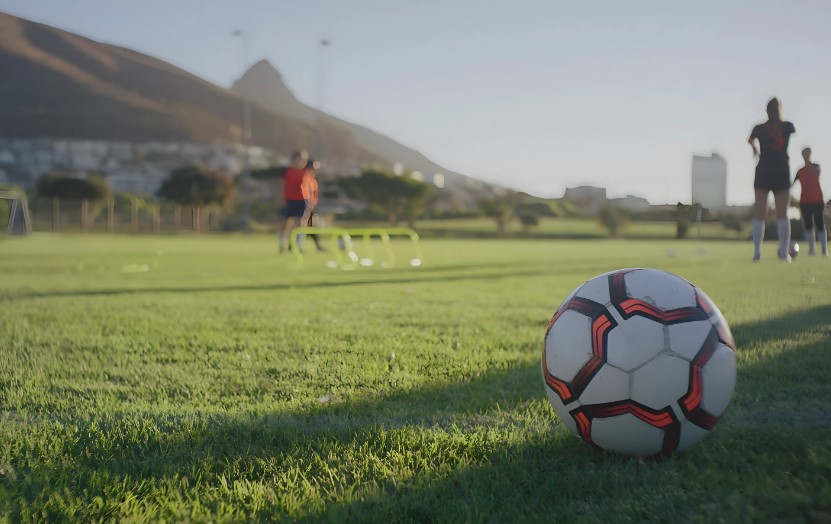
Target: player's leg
(808, 220)
(760, 211)
(314, 222)
(288, 226)
(819, 222)
(783, 225)
(302, 214)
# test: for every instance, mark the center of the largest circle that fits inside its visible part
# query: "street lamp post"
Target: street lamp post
(245, 140)
(321, 91)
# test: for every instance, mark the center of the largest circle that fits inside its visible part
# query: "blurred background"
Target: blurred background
(540, 119)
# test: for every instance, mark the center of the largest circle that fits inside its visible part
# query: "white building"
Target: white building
(631, 203)
(590, 199)
(709, 181)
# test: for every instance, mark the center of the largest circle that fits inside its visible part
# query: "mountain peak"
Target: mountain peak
(261, 73)
(263, 67)
(263, 83)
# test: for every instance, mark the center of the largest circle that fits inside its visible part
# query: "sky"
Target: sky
(534, 95)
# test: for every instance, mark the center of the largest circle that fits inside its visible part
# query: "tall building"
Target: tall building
(709, 181)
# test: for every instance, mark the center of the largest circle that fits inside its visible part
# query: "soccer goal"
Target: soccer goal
(14, 213)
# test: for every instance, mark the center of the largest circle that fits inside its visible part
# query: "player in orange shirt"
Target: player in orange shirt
(311, 189)
(811, 202)
(296, 195)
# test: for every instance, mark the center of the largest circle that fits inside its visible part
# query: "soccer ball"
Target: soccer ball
(639, 362)
(794, 250)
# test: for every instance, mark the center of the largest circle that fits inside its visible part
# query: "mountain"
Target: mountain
(264, 84)
(58, 84)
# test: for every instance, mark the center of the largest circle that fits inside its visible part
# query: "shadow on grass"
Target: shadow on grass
(459, 272)
(489, 466)
(380, 278)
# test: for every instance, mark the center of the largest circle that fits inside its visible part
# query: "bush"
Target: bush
(529, 220)
(61, 185)
(198, 186)
(613, 219)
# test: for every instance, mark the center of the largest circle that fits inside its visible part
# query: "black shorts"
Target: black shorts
(295, 208)
(772, 177)
(812, 216)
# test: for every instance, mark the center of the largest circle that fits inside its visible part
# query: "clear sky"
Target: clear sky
(537, 95)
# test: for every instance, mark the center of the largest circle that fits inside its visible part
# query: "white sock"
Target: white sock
(758, 236)
(823, 240)
(811, 241)
(300, 238)
(783, 227)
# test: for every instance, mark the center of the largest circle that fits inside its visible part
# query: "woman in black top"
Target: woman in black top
(773, 173)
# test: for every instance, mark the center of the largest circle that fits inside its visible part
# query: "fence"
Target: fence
(119, 216)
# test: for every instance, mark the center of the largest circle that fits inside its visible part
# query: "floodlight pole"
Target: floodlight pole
(245, 140)
(321, 90)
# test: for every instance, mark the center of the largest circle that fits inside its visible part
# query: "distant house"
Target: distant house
(631, 203)
(590, 199)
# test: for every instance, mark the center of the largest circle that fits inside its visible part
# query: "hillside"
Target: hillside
(264, 84)
(57, 84)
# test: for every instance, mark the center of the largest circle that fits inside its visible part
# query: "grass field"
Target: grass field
(570, 228)
(208, 379)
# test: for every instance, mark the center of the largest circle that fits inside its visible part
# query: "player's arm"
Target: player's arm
(752, 142)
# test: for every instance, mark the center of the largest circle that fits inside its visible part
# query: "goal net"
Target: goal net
(14, 213)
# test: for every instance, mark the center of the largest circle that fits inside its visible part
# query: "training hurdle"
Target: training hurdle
(345, 256)
(384, 234)
(344, 249)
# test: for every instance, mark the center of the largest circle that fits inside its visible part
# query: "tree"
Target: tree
(500, 206)
(57, 184)
(268, 173)
(528, 220)
(683, 216)
(397, 196)
(197, 186)
(613, 219)
(732, 223)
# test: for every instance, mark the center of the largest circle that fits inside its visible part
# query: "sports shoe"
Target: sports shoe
(784, 257)
(756, 257)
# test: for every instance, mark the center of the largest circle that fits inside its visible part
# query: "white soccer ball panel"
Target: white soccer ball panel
(608, 385)
(568, 345)
(628, 435)
(661, 382)
(562, 411)
(690, 434)
(717, 317)
(596, 289)
(570, 296)
(686, 339)
(660, 289)
(634, 342)
(718, 381)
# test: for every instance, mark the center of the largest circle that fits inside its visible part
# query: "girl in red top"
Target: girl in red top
(811, 202)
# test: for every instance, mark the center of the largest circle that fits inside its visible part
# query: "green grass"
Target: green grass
(565, 228)
(181, 378)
